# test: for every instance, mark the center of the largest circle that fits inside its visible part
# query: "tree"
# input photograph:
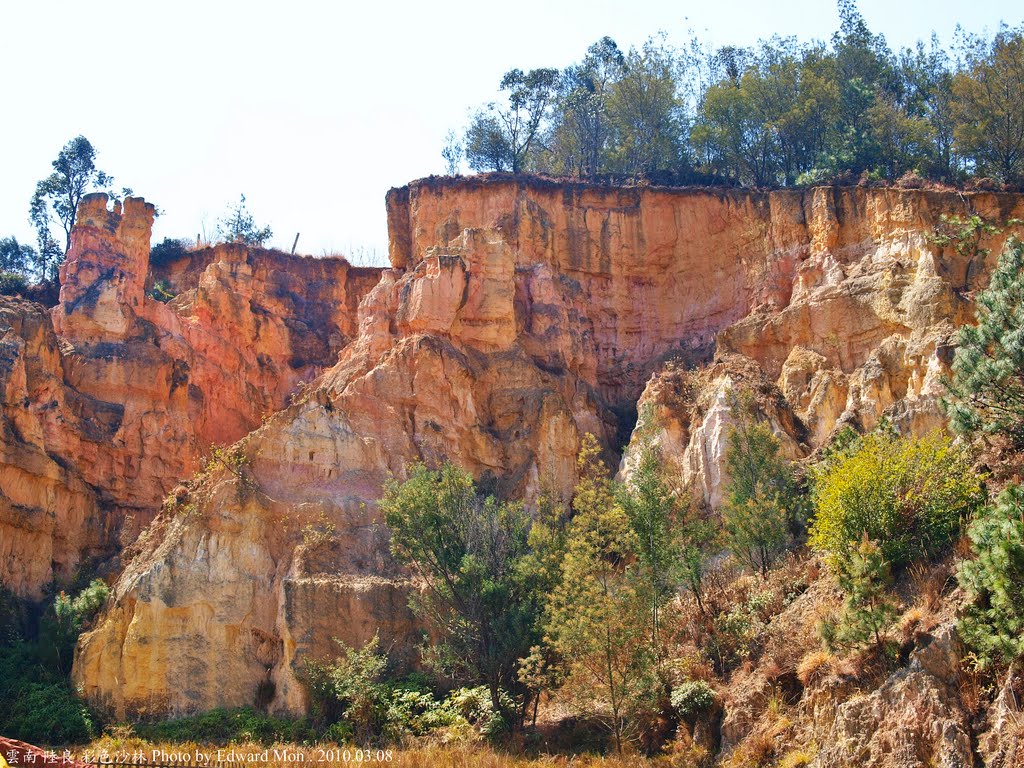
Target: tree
(646, 112)
(487, 147)
(238, 226)
(761, 495)
(452, 154)
(15, 257)
(580, 139)
(57, 197)
(908, 495)
(993, 622)
(595, 615)
(867, 609)
(988, 103)
(652, 513)
(986, 390)
(480, 599)
(500, 138)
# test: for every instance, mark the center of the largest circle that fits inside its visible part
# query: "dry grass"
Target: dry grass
(123, 744)
(814, 666)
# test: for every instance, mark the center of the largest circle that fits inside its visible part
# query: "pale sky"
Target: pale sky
(314, 110)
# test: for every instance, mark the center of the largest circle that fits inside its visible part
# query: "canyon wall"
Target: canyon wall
(520, 314)
(113, 397)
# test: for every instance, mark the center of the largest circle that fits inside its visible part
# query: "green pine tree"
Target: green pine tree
(986, 392)
(993, 623)
(867, 610)
(761, 495)
(595, 614)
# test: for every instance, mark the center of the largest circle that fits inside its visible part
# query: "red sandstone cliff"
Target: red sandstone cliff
(519, 315)
(112, 398)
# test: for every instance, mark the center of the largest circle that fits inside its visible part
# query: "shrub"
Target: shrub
(12, 284)
(993, 623)
(171, 249)
(48, 713)
(350, 689)
(910, 495)
(161, 291)
(692, 698)
(228, 725)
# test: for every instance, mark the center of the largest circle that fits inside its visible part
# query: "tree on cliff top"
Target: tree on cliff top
(500, 138)
(57, 197)
(238, 226)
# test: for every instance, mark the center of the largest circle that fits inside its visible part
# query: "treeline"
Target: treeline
(780, 113)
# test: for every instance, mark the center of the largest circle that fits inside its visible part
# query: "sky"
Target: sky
(314, 110)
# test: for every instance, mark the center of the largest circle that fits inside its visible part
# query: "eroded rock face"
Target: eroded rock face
(112, 399)
(913, 720)
(518, 316)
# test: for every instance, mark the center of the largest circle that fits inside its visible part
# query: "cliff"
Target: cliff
(112, 398)
(517, 316)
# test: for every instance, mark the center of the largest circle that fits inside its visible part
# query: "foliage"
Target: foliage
(239, 226)
(15, 257)
(988, 103)
(738, 630)
(652, 512)
(452, 153)
(783, 112)
(909, 495)
(487, 148)
(12, 284)
(170, 249)
(57, 197)
(46, 713)
(502, 137)
(692, 698)
(37, 703)
(595, 614)
(867, 609)
(762, 500)
(993, 623)
(578, 140)
(161, 291)
(986, 391)
(224, 725)
(351, 689)
(60, 627)
(964, 234)
(481, 600)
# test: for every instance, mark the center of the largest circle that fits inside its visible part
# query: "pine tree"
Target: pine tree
(986, 392)
(993, 623)
(761, 493)
(651, 510)
(867, 610)
(595, 614)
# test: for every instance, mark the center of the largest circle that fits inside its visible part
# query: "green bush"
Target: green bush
(48, 714)
(37, 703)
(228, 725)
(171, 249)
(692, 698)
(993, 623)
(910, 495)
(12, 284)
